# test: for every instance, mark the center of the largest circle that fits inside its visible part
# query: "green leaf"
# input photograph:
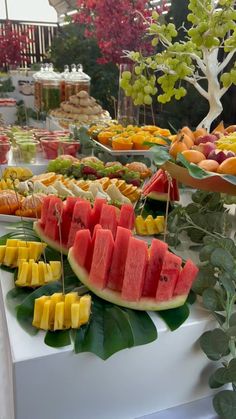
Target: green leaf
(225, 404)
(205, 279)
(7, 269)
(215, 344)
(57, 339)
(112, 329)
(227, 283)
(206, 251)
(193, 169)
(220, 318)
(175, 317)
(222, 259)
(160, 155)
(15, 297)
(231, 331)
(191, 297)
(226, 374)
(213, 383)
(211, 300)
(232, 320)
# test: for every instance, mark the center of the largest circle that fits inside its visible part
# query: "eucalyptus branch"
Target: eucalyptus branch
(226, 61)
(197, 86)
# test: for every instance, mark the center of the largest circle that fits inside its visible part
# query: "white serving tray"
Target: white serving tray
(147, 153)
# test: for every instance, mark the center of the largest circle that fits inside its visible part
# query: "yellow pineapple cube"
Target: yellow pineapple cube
(11, 242)
(22, 276)
(10, 257)
(84, 308)
(69, 300)
(160, 223)
(22, 253)
(2, 253)
(38, 310)
(44, 323)
(47, 273)
(75, 315)
(35, 281)
(22, 243)
(36, 249)
(140, 225)
(56, 269)
(59, 316)
(151, 226)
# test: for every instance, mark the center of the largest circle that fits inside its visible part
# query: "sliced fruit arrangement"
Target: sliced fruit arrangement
(131, 275)
(14, 250)
(213, 152)
(157, 187)
(60, 312)
(131, 137)
(78, 214)
(92, 168)
(35, 274)
(19, 173)
(149, 225)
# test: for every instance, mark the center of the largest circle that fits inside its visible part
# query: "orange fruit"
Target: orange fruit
(176, 148)
(209, 165)
(186, 139)
(193, 156)
(188, 132)
(45, 178)
(199, 132)
(228, 166)
(231, 128)
(220, 128)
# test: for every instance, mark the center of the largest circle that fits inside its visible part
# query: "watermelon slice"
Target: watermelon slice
(168, 277)
(117, 269)
(102, 277)
(186, 278)
(80, 219)
(83, 248)
(103, 249)
(127, 217)
(135, 270)
(157, 253)
(77, 214)
(157, 187)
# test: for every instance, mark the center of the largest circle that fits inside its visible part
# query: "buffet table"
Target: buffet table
(43, 382)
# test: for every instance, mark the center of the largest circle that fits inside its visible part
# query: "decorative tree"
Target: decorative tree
(195, 60)
(117, 25)
(13, 45)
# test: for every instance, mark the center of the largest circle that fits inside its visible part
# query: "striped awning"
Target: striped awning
(63, 6)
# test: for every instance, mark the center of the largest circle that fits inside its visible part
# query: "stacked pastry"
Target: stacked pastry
(81, 108)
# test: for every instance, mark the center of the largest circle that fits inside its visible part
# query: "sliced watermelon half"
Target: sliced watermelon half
(76, 215)
(157, 187)
(129, 290)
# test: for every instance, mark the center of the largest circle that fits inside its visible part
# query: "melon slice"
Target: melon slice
(127, 217)
(132, 284)
(108, 219)
(44, 210)
(67, 218)
(102, 255)
(157, 187)
(51, 226)
(80, 220)
(168, 277)
(96, 211)
(83, 248)
(157, 253)
(117, 269)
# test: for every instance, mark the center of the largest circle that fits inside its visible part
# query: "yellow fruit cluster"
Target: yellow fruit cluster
(14, 250)
(21, 173)
(35, 274)
(7, 184)
(59, 312)
(150, 225)
(227, 143)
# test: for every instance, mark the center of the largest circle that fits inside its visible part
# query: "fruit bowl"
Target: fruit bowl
(214, 182)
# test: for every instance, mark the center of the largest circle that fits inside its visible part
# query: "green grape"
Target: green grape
(155, 42)
(126, 75)
(147, 100)
(148, 89)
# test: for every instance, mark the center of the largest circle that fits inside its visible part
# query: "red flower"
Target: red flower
(14, 45)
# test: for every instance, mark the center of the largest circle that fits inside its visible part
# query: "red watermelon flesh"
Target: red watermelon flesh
(83, 248)
(135, 270)
(108, 219)
(44, 210)
(157, 253)
(117, 269)
(51, 227)
(96, 211)
(186, 278)
(169, 276)
(158, 185)
(67, 218)
(127, 216)
(102, 256)
(90, 255)
(80, 220)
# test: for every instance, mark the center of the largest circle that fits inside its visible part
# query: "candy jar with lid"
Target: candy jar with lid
(77, 81)
(51, 91)
(64, 77)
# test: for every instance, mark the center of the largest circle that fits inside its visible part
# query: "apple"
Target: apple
(209, 138)
(205, 148)
(220, 155)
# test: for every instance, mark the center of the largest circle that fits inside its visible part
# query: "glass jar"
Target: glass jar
(127, 113)
(51, 90)
(27, 150)
(38, 79)
(64, 76)
(76, 81)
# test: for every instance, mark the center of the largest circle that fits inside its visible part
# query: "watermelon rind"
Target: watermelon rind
(158, 196)
(144, 304)
(52, 243)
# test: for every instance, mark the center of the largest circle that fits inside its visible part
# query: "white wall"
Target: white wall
(29, 10)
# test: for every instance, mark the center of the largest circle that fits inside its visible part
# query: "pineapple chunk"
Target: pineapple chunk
(10, 256)
(35, 274)
(151, 226)
(11, 242)
(140, 225)
(35, 280)
(75, 315)
(47, 273)
(84, 309)
(2, 253)
(44, 323)
(160, 223)
(69, 300)
(22, 274)
(59, 316)
(38, 310)
(56, 269)
(36, 249)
